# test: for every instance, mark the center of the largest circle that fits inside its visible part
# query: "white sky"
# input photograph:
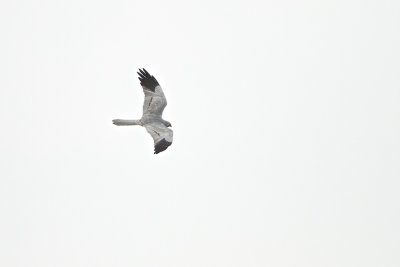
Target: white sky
(286, 134)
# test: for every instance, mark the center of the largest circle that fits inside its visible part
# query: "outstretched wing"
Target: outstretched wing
(161, 134)
(154, 98)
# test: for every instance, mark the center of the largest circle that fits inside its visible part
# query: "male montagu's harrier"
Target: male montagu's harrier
(153, 107)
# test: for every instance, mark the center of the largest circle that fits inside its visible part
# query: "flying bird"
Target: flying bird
(153, 107)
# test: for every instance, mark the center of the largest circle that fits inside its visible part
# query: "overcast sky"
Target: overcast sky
(286, 119)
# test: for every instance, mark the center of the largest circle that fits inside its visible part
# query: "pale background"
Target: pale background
(287, 134)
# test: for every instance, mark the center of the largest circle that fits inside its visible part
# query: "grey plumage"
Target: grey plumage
(153, 107)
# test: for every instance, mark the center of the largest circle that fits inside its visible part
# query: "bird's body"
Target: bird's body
(153, 107)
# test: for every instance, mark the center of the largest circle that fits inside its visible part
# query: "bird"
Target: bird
(153, 107)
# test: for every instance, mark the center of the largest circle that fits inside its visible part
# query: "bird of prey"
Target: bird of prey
(153, 107)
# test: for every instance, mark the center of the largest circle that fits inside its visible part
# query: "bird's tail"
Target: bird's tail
(119, 122)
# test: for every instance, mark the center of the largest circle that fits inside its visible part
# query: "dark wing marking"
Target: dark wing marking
(147, 80)
(161, 146)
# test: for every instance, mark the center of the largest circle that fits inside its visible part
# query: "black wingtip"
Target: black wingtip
(161, 146)
(146, 80)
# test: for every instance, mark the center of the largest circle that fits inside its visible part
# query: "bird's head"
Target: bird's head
(167, 123)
